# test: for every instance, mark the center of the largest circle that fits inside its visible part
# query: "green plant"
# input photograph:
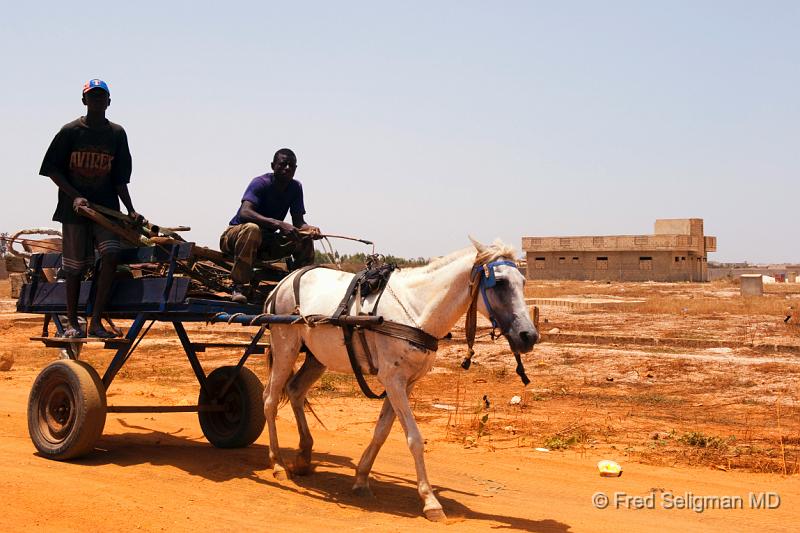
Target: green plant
(558, 442)
(482, 424)
(699, 440)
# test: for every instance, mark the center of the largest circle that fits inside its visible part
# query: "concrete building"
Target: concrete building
(784, 273)
(677, 251)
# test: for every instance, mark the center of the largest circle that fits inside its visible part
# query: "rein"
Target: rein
(483, 278)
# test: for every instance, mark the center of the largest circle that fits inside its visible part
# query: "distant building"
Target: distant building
(676, 252)
(781, 273)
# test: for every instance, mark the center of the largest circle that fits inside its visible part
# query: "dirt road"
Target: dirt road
(157, 473)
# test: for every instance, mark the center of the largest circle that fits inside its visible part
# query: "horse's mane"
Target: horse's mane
(498, 249)
(491, 252)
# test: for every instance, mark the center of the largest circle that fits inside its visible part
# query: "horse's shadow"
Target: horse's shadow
(393, 495)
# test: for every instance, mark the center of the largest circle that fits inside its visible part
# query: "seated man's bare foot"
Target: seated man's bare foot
(113, 328)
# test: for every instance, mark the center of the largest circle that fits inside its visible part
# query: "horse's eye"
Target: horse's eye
(502, 282)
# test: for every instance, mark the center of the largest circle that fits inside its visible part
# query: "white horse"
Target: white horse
(431, 298)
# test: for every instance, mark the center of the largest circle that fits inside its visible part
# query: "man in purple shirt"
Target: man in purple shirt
(258, 227)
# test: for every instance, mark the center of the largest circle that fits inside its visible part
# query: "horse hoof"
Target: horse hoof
(363, 492)
(302, 470)
(281, 475)
(435, 515)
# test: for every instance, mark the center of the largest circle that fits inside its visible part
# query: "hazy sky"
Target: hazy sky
(418, 123)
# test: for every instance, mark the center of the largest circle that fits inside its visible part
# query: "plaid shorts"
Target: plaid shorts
(79, 241)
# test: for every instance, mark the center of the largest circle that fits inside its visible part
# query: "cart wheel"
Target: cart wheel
(242, 421)
(66, 410)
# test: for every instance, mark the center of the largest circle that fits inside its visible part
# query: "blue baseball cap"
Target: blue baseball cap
(96, 84)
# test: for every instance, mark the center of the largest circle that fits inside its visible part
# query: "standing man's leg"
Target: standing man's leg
(108, 246)
(242, 242)
(77, 255)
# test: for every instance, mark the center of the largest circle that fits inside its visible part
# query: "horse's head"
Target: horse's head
(501, 297)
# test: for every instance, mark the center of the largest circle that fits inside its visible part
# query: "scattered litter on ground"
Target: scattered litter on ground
(609, 468)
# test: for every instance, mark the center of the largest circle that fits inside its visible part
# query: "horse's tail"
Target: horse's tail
(284, 394)
(314, 414)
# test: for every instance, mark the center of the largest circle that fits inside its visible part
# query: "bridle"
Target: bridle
(482, 278)
(488, 281)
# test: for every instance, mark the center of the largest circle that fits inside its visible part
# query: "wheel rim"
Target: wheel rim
(57, 412)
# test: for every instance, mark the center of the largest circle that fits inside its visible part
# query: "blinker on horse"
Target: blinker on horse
(430, 299)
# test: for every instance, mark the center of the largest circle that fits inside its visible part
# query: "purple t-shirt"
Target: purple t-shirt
(270, 202)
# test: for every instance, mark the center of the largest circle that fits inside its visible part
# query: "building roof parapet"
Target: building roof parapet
(660, 242)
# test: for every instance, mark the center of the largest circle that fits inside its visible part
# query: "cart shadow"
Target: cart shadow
(392, 495)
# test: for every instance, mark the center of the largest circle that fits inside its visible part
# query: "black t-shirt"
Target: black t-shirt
(93, 160)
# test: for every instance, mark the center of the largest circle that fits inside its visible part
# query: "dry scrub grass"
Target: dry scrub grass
(766, 305)
(650, 407)
(715, 298)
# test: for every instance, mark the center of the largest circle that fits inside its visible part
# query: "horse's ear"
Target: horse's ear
(478, 246)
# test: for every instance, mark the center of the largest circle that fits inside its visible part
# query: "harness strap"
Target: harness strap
(374, 311)
(362, 383)
(417, 337)
(296, 283)
(269, 303)
(362, 337)
(341, 309)
(410, 334)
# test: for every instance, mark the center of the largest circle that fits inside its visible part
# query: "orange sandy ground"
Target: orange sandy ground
(585, 403)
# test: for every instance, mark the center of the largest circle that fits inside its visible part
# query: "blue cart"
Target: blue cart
(67, 405)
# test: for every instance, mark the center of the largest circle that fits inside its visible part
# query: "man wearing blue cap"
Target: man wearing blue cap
(90, 162)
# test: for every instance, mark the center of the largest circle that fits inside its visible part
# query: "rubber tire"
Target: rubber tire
(242, 423)
(75, 387)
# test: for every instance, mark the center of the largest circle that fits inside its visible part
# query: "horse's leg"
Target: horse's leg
(284, 354)
(382, 429)
(296, 389)
(397, 393)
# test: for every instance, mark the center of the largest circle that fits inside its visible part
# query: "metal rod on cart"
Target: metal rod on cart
(166, 408)
(258, 320)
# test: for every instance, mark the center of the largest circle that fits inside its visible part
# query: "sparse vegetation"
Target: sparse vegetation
(699, 440)
(559, 442)
(334, 383)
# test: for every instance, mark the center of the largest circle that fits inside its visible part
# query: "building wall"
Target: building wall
(783, 272)
(617, 265)
(679, 226)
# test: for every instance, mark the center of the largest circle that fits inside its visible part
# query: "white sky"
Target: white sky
(418, 123)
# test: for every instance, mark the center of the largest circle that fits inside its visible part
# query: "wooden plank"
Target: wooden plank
(62, 342)
(126, 234)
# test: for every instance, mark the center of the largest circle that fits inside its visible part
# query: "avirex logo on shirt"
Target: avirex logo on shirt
(90, 164)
